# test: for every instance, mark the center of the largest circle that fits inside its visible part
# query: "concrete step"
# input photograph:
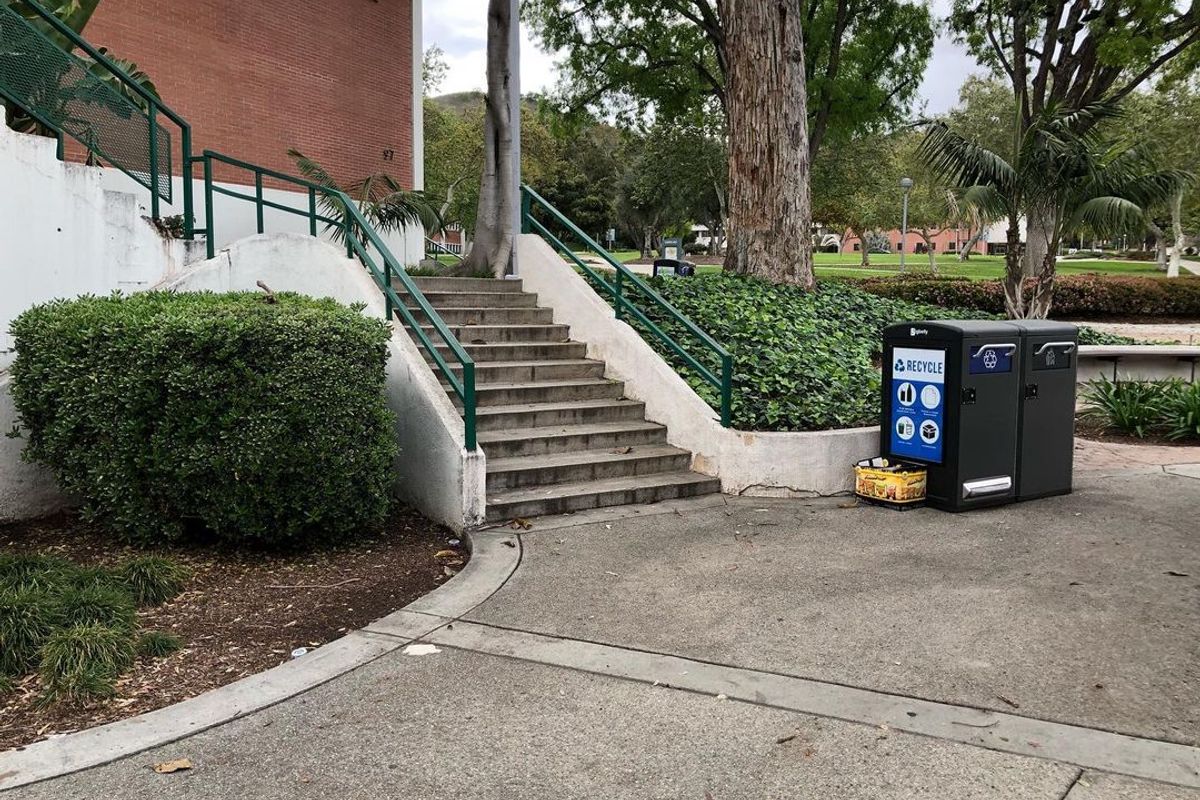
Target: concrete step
(561, 498)
(586, 465)
(528, 371)
(490, 316)
(441, 300)
(544, 415)
(516, 351)
(479, 334)
(515, 442)
(462, 285)
(511, 394)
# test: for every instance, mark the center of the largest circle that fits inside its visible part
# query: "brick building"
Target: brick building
(949, 240)
(339, 81)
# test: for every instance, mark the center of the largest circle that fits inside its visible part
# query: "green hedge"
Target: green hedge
(222, 416)
(1075, 296)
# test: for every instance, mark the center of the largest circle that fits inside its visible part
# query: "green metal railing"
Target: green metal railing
(439, 249)
(624, 289)
(62, 93)
(361, 240)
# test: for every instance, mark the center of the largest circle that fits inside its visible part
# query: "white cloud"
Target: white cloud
(459, 27)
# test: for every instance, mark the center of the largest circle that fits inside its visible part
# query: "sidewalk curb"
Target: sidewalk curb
(492, 562)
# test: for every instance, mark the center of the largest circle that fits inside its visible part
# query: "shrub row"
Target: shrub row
(77, 626)
(1141, 408)
(1075, 296)
(237, 416)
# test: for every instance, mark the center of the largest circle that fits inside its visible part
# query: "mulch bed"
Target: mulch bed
(240, 612)
(1097, 432)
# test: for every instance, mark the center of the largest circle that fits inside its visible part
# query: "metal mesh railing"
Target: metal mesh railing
(58, 88)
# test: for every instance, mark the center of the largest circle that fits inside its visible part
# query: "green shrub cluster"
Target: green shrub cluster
(222, 415)
(1075, 296)
(77, 626)
(1142, 408)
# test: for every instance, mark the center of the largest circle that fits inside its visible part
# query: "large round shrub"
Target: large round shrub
(216, 414)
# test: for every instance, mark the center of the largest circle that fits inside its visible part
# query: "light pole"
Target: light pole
(906, 185)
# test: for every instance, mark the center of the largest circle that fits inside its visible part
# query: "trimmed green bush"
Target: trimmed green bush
(32, 571)
(83, 662)
(1168, 408)
(1181, 409)
(156, 644)
(221, 415)
(1075, 296)
(152, 580)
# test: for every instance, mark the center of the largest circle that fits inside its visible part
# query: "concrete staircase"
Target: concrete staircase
(558, 435)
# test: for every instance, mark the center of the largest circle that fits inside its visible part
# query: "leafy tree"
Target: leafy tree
(855, 188)
(1164, 121)
(1073, 54)
(669, 59)
(1065, 173)
(433, 69)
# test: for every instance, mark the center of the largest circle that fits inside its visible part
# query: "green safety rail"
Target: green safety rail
(67, 95)
(439, 249)
(626, 288)
(363, 241)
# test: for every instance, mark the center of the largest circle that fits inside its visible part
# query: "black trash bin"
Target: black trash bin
(673, 267)
(950, 392)
(1045, 449)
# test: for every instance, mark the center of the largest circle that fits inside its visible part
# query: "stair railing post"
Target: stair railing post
(189, 210)
(618, 298)
(258, 201)
(469, 405)
(210, 217)
(726, 390)
(152, 117)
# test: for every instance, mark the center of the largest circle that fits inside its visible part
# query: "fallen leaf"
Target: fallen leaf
(1012, 703)
(620, 451)
(447, 554)
(167, 767)
(785, 739)
(509, 543)
(1175, 574)
(522, 523)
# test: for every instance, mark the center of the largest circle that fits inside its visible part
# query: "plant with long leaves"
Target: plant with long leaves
(387, 205)
(1060, 168)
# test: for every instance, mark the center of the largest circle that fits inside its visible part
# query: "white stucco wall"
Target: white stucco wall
(434, 472)
(27, 491)
(64, 233)
(747, 462)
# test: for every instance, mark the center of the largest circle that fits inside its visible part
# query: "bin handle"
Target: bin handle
(1006, 347)
(1068, 347)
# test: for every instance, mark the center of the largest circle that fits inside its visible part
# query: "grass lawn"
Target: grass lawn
(845, 265)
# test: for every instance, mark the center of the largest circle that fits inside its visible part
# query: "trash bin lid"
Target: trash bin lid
(1045, 327)
(943, 329)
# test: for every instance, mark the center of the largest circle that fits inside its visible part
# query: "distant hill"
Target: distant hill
(459, 102)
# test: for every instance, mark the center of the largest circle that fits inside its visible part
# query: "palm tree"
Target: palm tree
(1060, 170)
(383, 201)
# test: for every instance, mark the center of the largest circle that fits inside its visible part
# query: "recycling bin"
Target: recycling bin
(673, 267)
(950, 403)
(1046, 419)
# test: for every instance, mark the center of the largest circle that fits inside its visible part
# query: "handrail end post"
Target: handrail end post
(726, 390)
(469, 405)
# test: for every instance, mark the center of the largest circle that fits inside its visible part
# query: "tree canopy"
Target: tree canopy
(646, 60)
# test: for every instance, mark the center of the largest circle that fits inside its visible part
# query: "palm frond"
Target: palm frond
(402, 208)
(1106, 215)
(987, 202)
(962, 161)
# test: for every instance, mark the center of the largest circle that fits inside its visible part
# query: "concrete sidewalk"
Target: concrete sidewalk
(770, 649)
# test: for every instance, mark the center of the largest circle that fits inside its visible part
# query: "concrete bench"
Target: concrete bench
(1138, 362)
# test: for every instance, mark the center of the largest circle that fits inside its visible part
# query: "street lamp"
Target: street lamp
(906, 185)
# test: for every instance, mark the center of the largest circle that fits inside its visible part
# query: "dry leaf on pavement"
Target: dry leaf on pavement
(167, 767)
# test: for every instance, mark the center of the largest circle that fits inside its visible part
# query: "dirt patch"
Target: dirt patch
(239, 614)
(1086, 428)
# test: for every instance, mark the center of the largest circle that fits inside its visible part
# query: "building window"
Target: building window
(857, 246)
(952, 247)
(933, 246)
(899, 246)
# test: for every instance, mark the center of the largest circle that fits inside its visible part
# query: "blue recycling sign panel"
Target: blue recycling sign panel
(987, 360)
(918, 403)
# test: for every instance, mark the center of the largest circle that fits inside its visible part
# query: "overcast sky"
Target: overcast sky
(459, 28)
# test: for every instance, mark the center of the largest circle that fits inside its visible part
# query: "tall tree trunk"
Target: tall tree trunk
(863, 247)
(928, 239)
(1177, 234)
(1039, 228)
(494, 234)
(1043, 290)
(770, 213)
(964, 254)
(1160, 245)
(1014, 271)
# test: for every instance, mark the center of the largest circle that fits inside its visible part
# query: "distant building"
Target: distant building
(948, 240)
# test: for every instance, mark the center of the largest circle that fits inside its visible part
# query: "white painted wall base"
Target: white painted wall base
(27, 491)
(434, 472)
(747, 462)
(63, 233)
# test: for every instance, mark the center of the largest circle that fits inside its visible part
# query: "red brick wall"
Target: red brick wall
(331, 78)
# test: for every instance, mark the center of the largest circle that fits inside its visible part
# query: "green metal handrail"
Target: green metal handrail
(361, 237)
(624, 280)
(154, 108)
(439, 248)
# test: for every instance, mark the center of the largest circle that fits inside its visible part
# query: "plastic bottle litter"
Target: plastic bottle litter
(299, 651)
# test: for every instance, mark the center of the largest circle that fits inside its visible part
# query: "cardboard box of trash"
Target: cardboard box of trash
(889, 483)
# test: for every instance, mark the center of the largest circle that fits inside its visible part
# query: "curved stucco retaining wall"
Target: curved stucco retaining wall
(747, 462)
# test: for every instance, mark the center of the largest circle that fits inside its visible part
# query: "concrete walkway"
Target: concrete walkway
(742, 648)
